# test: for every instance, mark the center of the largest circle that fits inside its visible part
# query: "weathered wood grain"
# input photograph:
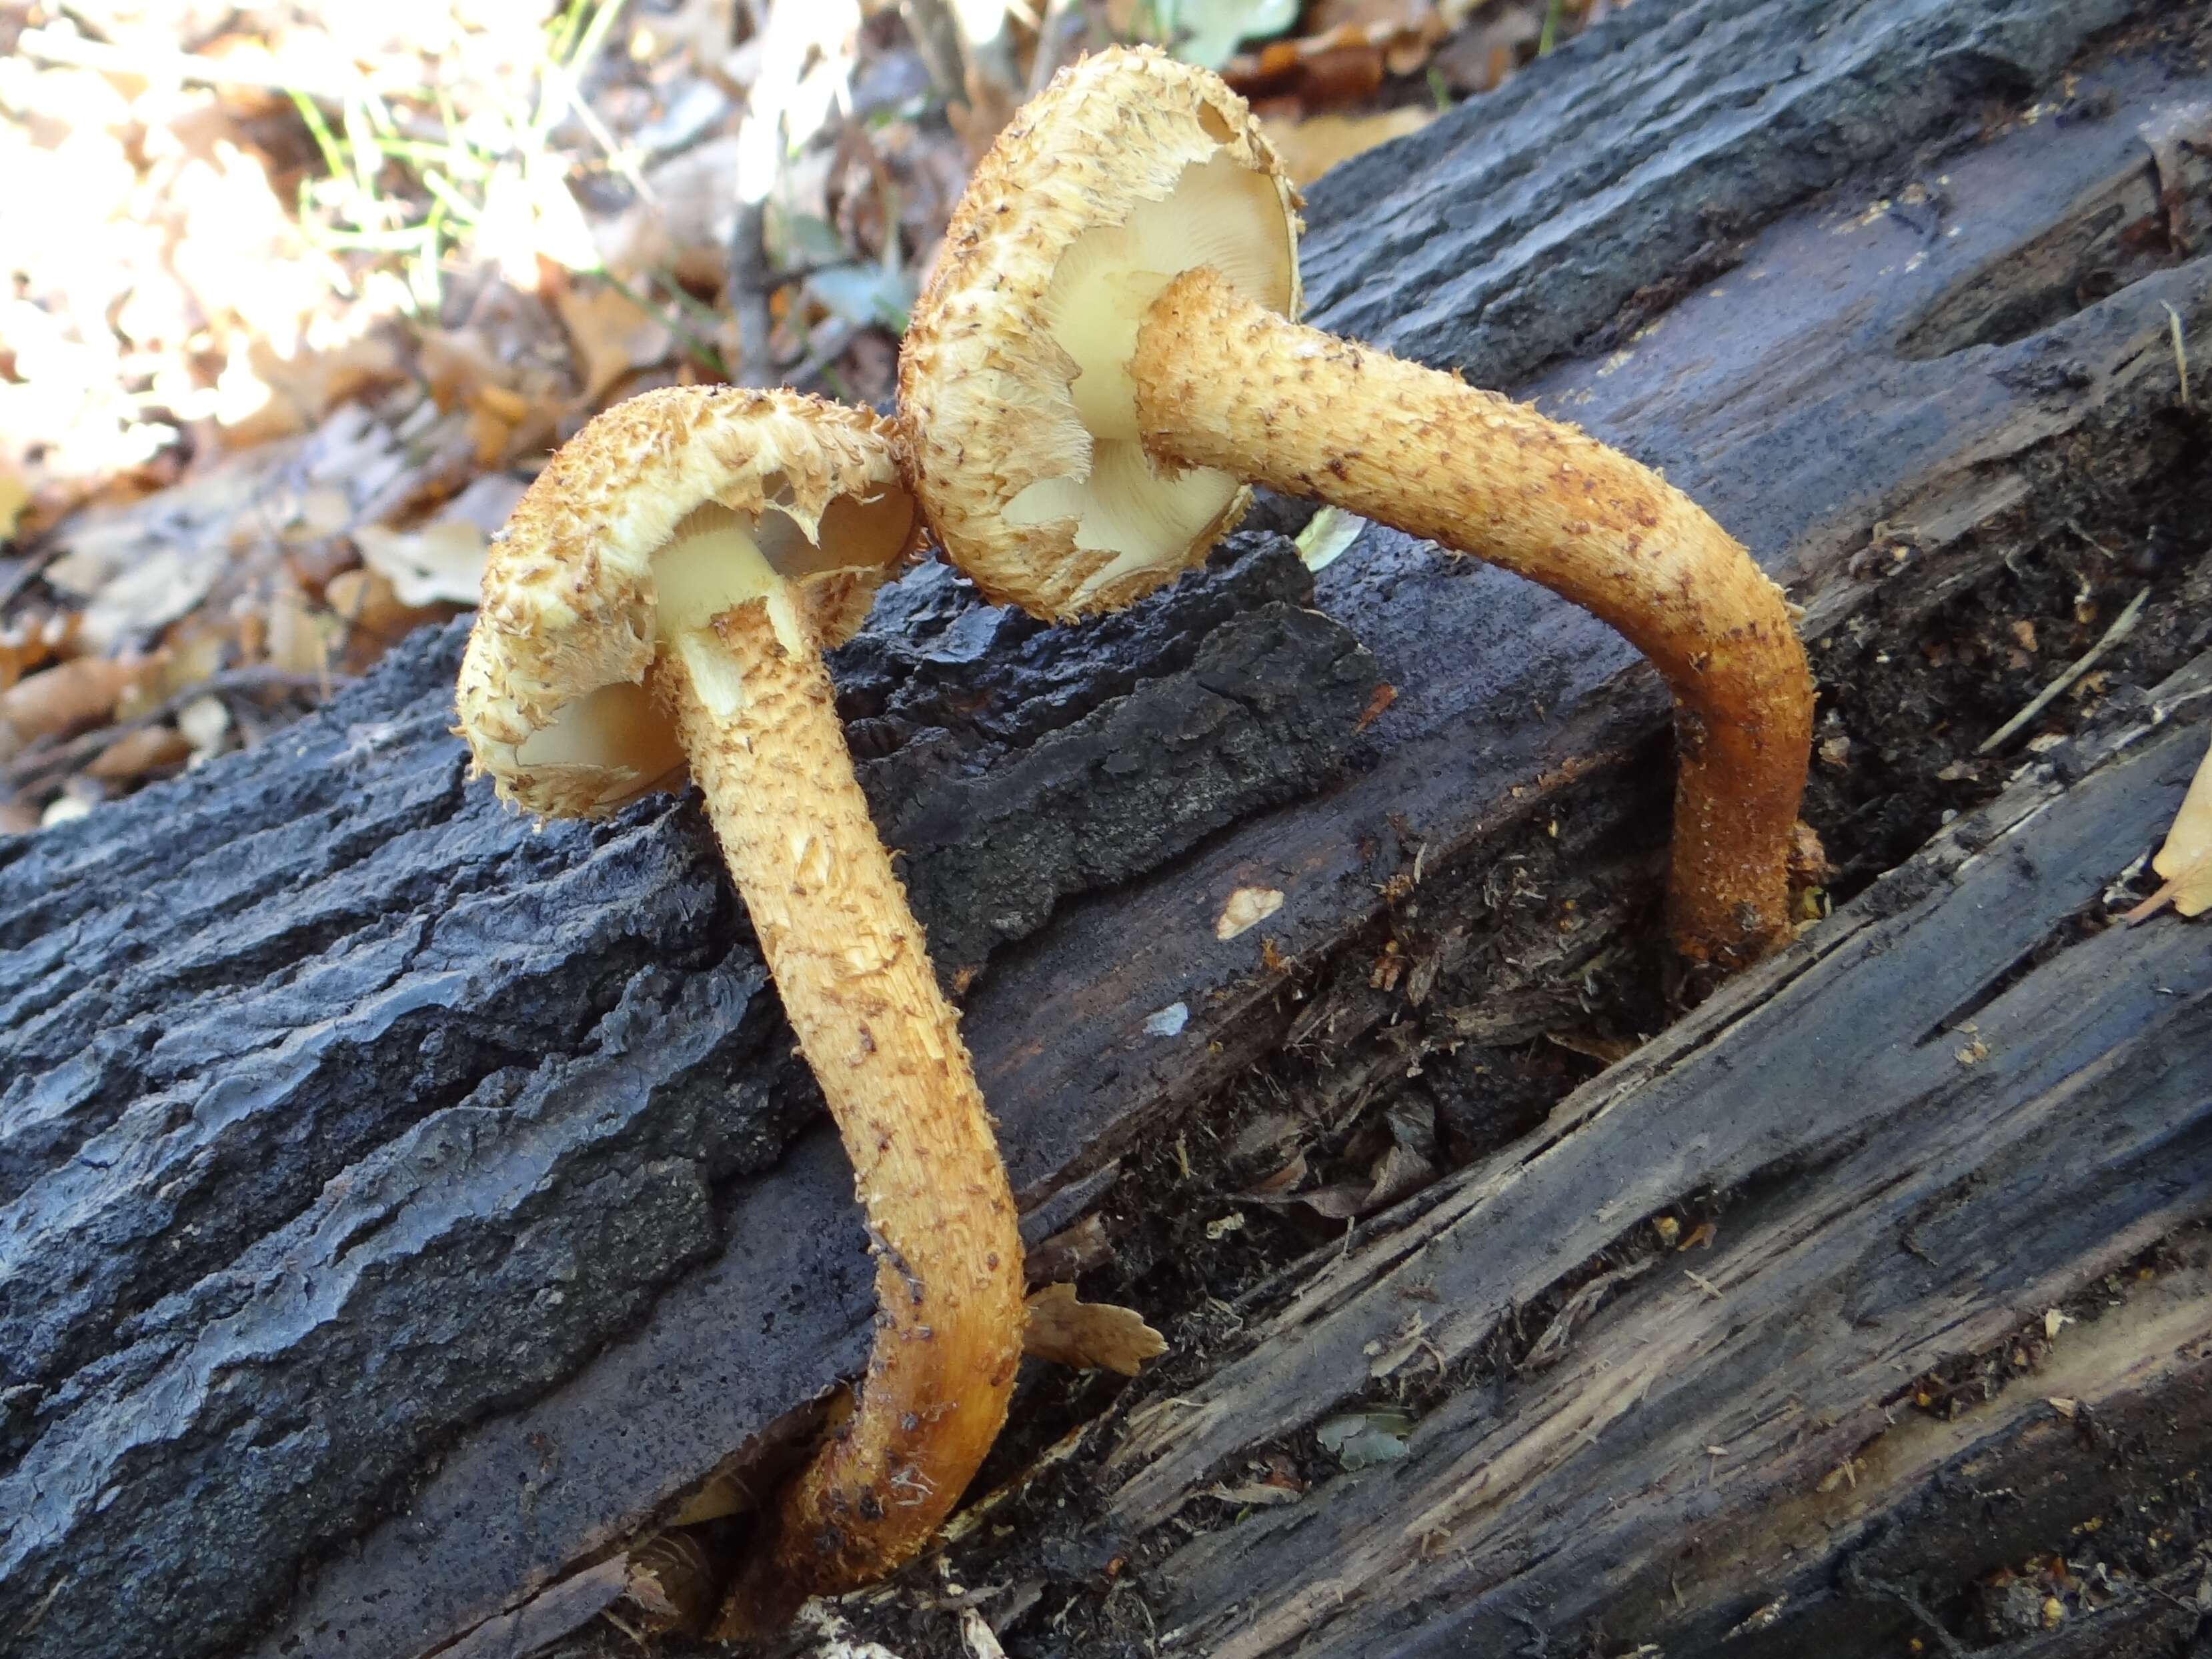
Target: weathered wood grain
(344, 1111)
(1946, 1111)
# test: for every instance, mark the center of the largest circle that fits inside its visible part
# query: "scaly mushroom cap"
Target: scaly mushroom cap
(744, 495)
(1014, 387)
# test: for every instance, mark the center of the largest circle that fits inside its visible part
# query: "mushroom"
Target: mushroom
(660, 598)
(1105, 357)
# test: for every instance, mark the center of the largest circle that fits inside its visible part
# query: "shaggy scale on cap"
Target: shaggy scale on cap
(569, 622)
(1028, 462)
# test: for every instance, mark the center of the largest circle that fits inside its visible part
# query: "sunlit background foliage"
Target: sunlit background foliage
(297, 296)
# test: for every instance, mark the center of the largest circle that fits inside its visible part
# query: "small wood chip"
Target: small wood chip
(1091, 1336)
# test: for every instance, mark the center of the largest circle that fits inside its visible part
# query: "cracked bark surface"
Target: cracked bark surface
(399, 1206)
(346, 1111)
(1946, 1111)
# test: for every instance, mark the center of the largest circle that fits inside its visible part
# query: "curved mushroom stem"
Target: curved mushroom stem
(760, 727)
(1226, 384)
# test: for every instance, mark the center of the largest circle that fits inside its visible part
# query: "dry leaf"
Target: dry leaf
(1071, 1251)
(491, 436)
(695, 210)
(192, 658)
(1090, 1336)
(2167, 134)
(1338, 66)
(143, 565)
(136, 753)
(1378, 704)
(1396, 1173)
(982, 1643)
(1606, 1051)
(723, 1494)
(303, 637)
(458, 365)
(70, 696)
(2185, 860)
(264, 396)
(205, 723)
(441, 563)
(374, 618)
(1312, 147)
(14, 496)
(31, 642)
(989, 106)
(1247, 907)
(485, 503)
(1358, 1439)
(1409, 1339)
(322, 510)
(167, 585)
(612, 335)
(1326, 15)
(1277, 1185)
(1340, 1202)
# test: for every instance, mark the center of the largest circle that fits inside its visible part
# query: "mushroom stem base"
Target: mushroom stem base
(760, 727)
(1224, 383)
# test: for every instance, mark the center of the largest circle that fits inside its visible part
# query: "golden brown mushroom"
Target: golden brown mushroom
(1104, 357)
(660, 598)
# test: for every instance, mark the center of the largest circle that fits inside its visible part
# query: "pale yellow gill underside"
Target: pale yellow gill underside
(1220, 214)
(715, 560)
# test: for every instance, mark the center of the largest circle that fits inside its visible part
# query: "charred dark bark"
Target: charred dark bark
(345, 1112)
(400, 1207)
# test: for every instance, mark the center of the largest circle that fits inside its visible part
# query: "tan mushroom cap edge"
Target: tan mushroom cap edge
(566, 628)
(1043, 515)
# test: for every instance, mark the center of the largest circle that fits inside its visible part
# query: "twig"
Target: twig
(1049, 43)
(2193, 871)
(2180, 350)
(39, 760)
(2121, 627)
(751, 282)
(935, 33)
(2074, 525)
(836, 336)
(1858, 1581)
(28, 567)
(674, 320)
(1548, 37)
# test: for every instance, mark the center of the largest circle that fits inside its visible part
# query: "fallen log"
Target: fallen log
(1942, 1117)
(403, 1209)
